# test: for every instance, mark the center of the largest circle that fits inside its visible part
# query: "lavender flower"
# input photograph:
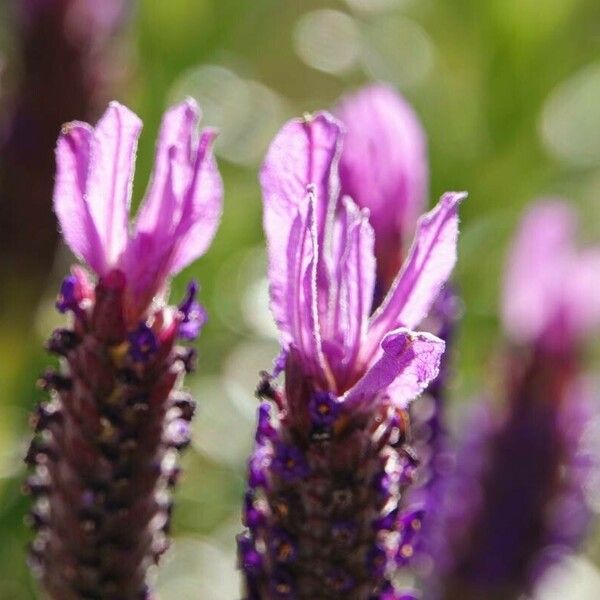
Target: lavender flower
(383, 167)
(67, 66)
(518, 487)
(331, 460)
(105, 445)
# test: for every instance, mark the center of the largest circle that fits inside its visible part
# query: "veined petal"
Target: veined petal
(428, 266)
(202, 208)
(176, 137)
(301, 157)
(408, 362)
(72, 164)
(355, 280)
(301, 326)
(112, 157)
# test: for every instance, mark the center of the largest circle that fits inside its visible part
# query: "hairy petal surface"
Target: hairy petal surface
(300, 159)
(426, 269)
(112, 159)
(408, 360)
(70, 206)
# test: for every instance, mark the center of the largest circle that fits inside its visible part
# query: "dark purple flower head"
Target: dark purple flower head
(105, 447)
(323, 408)
(383, 167)
(193, 313)
(142, 343)
(289, 462)
(178, 218)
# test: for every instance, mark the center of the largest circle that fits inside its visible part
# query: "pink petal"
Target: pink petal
(202, 206)
(72, 164)
(384, 167)
(301, 156)
(537, 272)
(177, 129)
(355, 280)
(426, 269)
(301, 327)
(112, 158)
(408, 362)
(182, 208)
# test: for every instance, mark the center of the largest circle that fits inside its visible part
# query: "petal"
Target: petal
(202, 206)
(112, 158)
(355, 281)
(537, 269)
(175, 138)
(426, 269)
(407, 363)
(301, 326)
(301, 156)
(72, 164)
(384, 167)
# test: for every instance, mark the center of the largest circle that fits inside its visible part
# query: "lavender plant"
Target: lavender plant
(516, 502)
(384, 167)
(331, 460)
(104, 452)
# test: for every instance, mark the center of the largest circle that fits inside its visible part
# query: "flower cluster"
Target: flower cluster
(104, 453)
(331, 460)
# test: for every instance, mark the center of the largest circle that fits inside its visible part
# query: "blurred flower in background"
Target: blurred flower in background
(506, 93)
(63, 65)
(517, 502)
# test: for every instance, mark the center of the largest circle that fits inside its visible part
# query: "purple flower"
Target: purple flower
(193, 314)
(180, 213)
(517, 490)
(383, 167)
(349, 372)
(104, 454)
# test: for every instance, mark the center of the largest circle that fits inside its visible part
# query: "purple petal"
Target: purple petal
(302, 156)
(302, 325)
(429, 264)
(160, 207)
(537, 274)
(355, 280)
(72, 164)
(407, 363)
(112, 157)
(182, 209)
(202, 207)
(383, 166)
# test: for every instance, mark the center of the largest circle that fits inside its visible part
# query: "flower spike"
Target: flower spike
(331, 459)
(105, 444)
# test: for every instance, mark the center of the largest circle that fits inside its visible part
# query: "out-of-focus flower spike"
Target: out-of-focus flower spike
(517, 470)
